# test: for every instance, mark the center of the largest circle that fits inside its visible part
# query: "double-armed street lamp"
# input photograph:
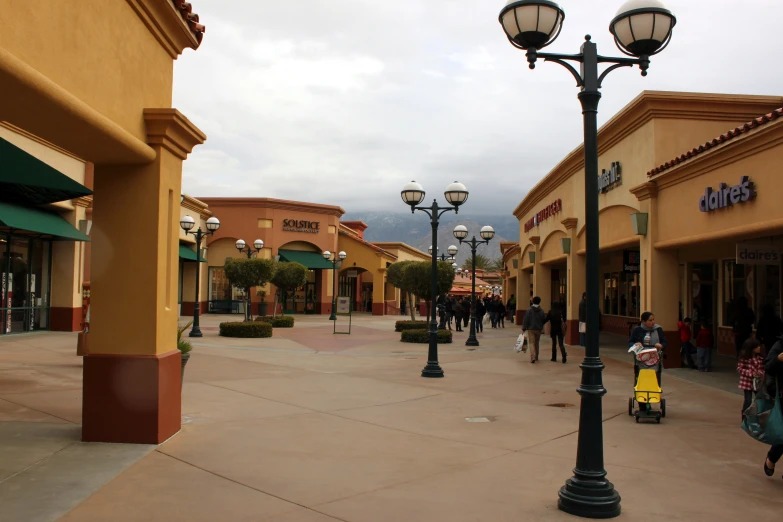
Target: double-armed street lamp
(187, 223)
(258, 245)
(336, 261)
(413, 194)
(452, 250)
(461, 233)
(641, 29)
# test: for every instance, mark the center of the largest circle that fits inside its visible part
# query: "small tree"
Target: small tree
(418, 277)
(395, 275)
(247, 273)
(288, 277)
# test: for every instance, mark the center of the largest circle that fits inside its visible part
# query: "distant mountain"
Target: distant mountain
(415, 230)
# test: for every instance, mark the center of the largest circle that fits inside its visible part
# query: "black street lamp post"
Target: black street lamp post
(413, 194)
(487, 233)
(641, 29)
(187, 223)
(336, 262)
(243, 248)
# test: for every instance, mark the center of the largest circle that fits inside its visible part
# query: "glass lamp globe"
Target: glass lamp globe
(453, 250)
(258, 244)
(531, 23)
(213, 224)
(327, 255)
(240, 244)
(487, 233)
(456, 194)
(342, 255)
(187, 223)
(642, 27)
(412, 193)
(460, 232)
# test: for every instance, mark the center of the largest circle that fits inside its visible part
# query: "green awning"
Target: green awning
(312, 260)
(189, 255)
(27, 180)
(40, 221)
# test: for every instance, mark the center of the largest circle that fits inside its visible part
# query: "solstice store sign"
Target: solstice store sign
(309, 227)
(544, 214)
(727, 196)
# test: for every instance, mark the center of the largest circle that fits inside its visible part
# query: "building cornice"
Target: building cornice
(165, 23)
(387, 245)
(536, 240)
(647, 190)
(171, 130)
(193, 204)
(650, 105)
(276, 204)
(570, 223)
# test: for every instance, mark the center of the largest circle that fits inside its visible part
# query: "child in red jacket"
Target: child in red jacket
(686, 347)
(704, 343)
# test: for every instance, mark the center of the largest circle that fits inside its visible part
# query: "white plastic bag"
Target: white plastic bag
(521, 345)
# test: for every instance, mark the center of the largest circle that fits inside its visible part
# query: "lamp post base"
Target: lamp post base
(589, 498)
(332, 317)
(432, 370)
(472, 341)
(195, 332)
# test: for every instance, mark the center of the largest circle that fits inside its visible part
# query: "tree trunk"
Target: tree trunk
(410, 306)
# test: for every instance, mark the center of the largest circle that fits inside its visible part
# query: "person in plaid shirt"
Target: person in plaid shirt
(750, 366)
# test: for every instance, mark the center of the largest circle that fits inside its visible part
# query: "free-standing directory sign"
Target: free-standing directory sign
(343, 309)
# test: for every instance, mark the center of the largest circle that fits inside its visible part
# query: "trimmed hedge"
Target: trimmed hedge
(401, 326)
(281, 321)
(249, 329)
(423, 336)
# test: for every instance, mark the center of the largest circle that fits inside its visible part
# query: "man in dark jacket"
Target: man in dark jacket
(449, 310)
(533, 325)
(480, 311)
(555, 320)
(466, 311)
(773, 367)
(582, 319)
(458, 310)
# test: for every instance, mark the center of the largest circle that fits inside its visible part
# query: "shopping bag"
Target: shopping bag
(521, 345)
(763, 420)
(582, 327)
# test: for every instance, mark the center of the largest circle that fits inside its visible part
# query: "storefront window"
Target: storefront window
(219, 287)
(768, 288)
(621, 294)
(24, 283)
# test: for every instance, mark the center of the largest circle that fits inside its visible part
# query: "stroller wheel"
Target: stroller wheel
(658, 420)
(663, 407)
(630, 406)
(637, 419)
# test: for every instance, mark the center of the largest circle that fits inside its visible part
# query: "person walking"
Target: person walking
(773, 368)
(555, 320)
(466, 311)
(512, 307)
(582, 319)
(449, 310)
(458, 311)
(750, 368)
(743, 323)
(532, 325)
(491, 307)
(686, 347)
(704, 343)
(770, 327)
(402, 306)
(480, 311)
(501, 314)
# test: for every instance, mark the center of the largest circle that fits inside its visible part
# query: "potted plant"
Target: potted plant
(263, 306)
(184, 347)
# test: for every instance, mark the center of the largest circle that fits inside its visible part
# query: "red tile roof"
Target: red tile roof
(190, 18)
(733, 133)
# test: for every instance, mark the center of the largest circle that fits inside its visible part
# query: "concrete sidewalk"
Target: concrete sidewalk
(309, 426)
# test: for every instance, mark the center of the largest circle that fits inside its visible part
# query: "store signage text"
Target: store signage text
(293, 225)
(631, 261)
(748, 254)
(727, 196)
(543, 214)
(611, 178)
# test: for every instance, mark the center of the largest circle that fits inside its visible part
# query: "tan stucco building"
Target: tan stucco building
(662, 248)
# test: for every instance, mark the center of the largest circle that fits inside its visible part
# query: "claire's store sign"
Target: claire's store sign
(726, 196)
(750, 254)
(293, 225)
(611, 178)
(543, 214)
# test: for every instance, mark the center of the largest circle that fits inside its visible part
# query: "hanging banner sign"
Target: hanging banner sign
(754, 254)
(544, 214)
(631, 261)
(8, 285)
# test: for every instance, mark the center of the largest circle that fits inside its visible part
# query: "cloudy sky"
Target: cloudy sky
(344, 101)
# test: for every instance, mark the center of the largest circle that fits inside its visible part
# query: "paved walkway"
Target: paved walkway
(308, 426)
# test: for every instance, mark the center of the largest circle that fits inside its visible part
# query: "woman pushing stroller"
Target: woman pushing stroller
(647, 335)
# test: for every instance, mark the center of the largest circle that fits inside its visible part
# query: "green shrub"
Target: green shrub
(423, 336)
(400, 326)
(249, 329)
(183, 345)
(281, 321)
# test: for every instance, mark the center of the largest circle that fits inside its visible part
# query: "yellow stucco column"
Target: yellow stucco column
(379, 292)
(132, 371)
(65, 313)
(576, 281)
(660, 275)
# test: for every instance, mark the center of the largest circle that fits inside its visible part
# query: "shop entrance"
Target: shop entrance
(704, 306)
(559, 289)
(25, 271)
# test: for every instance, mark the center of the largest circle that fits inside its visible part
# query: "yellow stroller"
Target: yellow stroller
(647, 390)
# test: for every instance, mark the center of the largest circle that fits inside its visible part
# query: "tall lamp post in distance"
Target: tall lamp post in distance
(336, 261)
(413, 194)
(461, 233)
(187, 223)
(242, 247)
(452, 250)
(641, 29)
